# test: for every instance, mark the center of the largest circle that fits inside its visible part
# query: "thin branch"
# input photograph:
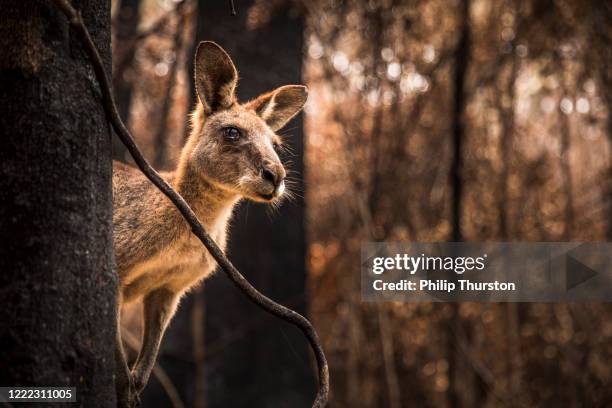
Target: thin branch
(74, 18)
(232, 8)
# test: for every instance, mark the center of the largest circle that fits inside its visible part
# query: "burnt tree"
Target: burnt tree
(252, 359)
(462, 57)
(128, 18)
(268, 360)
(57, 281)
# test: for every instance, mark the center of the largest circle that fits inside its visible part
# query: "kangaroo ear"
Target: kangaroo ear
(276, 108)
(215, 77)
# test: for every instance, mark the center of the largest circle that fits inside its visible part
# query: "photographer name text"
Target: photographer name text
(413, 264)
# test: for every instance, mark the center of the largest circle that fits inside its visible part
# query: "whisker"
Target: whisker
(292, 196)
(286, 149)
(285, 131)
(294, 183)
(294, 187)
(273, 209)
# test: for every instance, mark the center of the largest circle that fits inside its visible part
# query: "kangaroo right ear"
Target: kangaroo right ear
(277, 108)
(215, 77)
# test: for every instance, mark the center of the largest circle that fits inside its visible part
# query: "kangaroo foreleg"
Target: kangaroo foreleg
(159, 307)
(124, 385)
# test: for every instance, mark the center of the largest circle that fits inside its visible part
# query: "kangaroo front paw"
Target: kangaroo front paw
(128, 396)
(135, 399)
(134, 393)
(139, 382)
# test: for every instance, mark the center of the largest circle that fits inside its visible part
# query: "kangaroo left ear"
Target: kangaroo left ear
(215, 77)
(276, 108)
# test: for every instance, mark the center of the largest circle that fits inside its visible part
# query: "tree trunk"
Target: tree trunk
(507, 134)
(198, 313)
(601, 35)
(128, 18)
(162, 135)
(269, 361)
(57, 282)
(462, 57)
(566, 175)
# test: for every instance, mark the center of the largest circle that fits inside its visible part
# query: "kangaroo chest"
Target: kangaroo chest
(193, 251)
(178, 267)
(188, 261)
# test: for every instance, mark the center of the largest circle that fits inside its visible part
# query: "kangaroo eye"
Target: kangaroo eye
(231, 134)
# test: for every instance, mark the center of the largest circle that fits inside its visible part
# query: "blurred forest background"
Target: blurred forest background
(428, 120)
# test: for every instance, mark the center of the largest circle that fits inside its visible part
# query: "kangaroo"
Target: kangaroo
(231, 154)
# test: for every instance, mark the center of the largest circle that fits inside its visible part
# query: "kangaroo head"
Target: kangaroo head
(234, 146)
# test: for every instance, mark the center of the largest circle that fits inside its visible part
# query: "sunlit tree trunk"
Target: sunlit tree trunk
(566, 173)
(601, 13)
(507, 133)
(161, 136)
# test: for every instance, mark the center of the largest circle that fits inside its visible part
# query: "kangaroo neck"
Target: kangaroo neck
(209, 201)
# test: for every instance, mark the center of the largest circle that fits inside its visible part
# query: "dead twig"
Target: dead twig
(74, 19)
(232, 8)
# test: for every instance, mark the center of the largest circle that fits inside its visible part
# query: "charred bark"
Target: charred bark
(57, 282)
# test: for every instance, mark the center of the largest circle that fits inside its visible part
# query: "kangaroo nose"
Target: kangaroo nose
(275, 177)
(268, 175)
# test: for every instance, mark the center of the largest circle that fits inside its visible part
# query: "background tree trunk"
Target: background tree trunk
(57, 281)
(271, 370)
(128, 19)
(601, 13)
(462, 57)
(161, 136)
(246, 348)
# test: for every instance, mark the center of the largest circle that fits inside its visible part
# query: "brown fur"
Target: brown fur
(157, 257)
